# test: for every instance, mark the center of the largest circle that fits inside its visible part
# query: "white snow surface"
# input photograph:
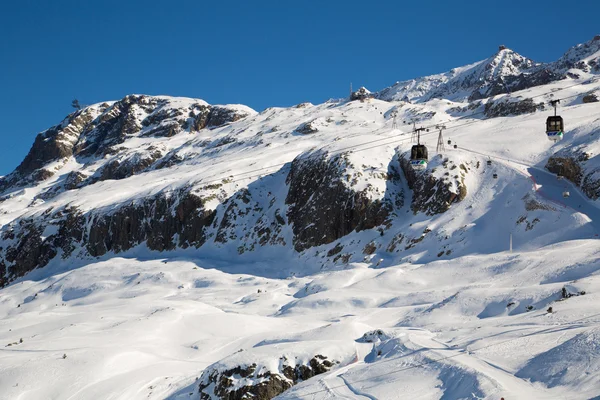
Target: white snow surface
(460, 316)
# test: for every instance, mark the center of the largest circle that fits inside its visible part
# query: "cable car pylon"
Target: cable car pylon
(440, 143)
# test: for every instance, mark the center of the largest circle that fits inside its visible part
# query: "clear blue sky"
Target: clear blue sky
(259, 53)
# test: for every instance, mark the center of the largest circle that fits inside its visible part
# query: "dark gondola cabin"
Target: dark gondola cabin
(418, 157)
(555, 127)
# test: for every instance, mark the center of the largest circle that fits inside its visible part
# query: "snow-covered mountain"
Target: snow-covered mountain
(504, 72)
(165, 248)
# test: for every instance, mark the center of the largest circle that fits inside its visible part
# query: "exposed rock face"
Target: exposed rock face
(156, 221)
(361, 94)
(307, 128)
(583, 57)
(432, 195)
(322, 197)
(98, 131)
(54, 144)
(590, 98)
(505, 108)
(250, 222)
(163, 222)
(256, 382)
(567, 167)
(323, 203)
(124, 167)
(572, 166)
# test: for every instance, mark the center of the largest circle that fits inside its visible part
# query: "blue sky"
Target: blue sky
(259, 53)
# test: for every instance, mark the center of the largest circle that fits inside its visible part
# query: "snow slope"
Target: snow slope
(427, 305)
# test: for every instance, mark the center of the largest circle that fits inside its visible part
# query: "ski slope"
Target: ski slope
(460, 316)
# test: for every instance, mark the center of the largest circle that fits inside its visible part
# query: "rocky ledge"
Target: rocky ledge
(259, 382)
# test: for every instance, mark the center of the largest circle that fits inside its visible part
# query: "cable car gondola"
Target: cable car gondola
(418, 157)
(554, 125)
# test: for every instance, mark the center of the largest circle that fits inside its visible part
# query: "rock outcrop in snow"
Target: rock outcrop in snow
(258, 381)
(329, 197)
(435, 189)
(578, 167)
(97, 132)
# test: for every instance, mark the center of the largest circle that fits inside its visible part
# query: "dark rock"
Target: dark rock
(322, 208)
(571, 166)
(213, 116)
(307, 128)
(165, 129)
(567, 167)
(505, 108)
(74, 180)
(432, 195)
(157, 221)
(128, 166)
(221, 115)
(111, 128)
(56, 142)
(335, 250)
(260, 384)
(370, 248)
(153, 222)
(590, 98)
(361, 94)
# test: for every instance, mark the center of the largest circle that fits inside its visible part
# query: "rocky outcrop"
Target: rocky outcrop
(257, 382)
(506, 107)
(98, 131)
(129, 165)
(307, 128)
(590, 98)
(566, 167)
(213, 116)
(248, 221)
(324, 204)
(433, 191)
(361, 94)
(55, 144)
(163, 222)
(573, 166)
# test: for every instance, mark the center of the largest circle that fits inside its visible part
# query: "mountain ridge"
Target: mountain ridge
(504, 72)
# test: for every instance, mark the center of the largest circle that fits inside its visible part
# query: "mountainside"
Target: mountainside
(504, 72)
(165, 248)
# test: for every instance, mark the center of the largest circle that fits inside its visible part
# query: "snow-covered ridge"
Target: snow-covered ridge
(504, 72)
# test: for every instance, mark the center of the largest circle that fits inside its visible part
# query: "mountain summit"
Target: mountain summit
(504, 72)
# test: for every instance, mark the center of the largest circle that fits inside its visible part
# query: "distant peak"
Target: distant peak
(502, 47)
